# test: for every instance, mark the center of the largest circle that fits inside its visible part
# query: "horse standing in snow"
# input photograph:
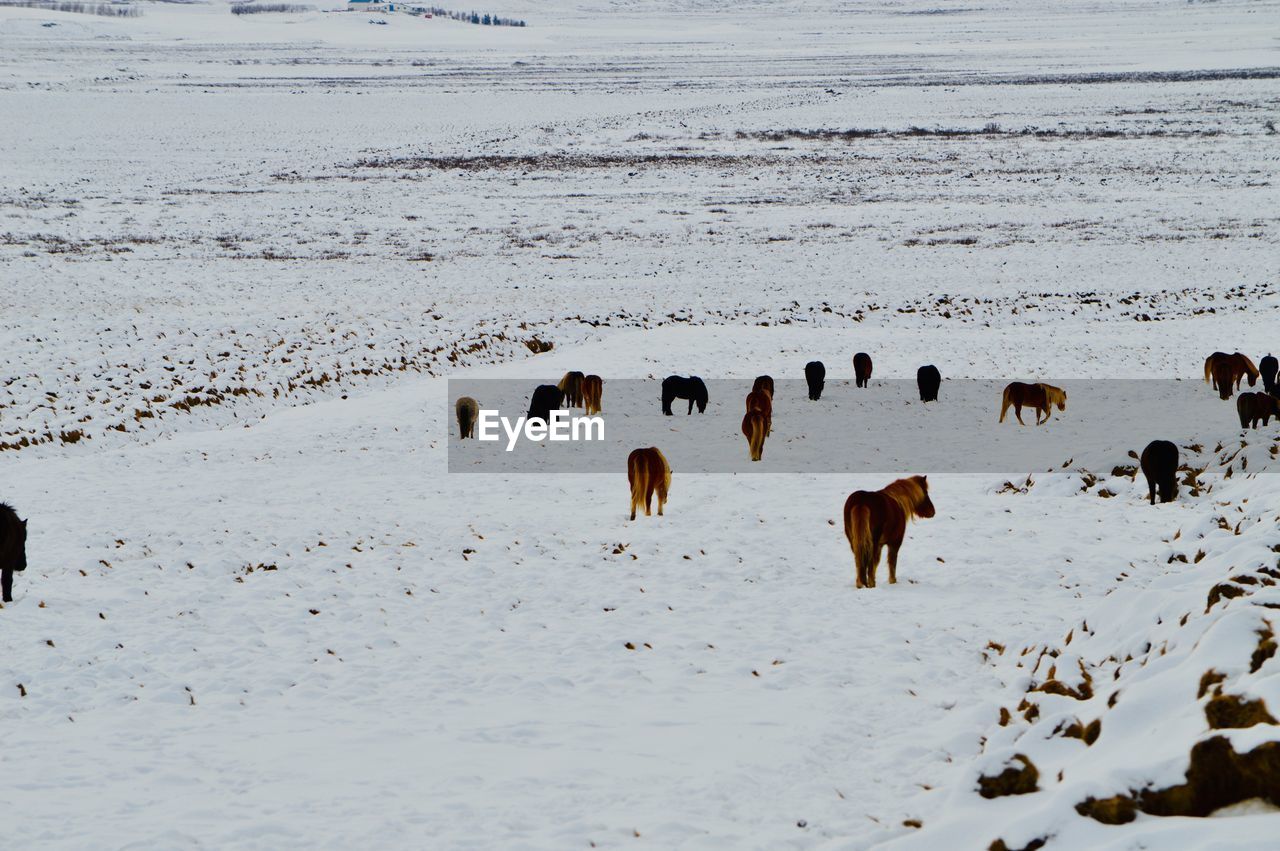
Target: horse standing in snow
(1160, 466)
(648, 473)
(1257, 406)
(875, 519)
(815, 373)
(1224, 372)
(592, 389)
(571, 386)
(928, 380)
(1268, 367)
(468, 411)
(1042, 397)
(691, 388)
(861, 369)
(13, 549)
(546, 398)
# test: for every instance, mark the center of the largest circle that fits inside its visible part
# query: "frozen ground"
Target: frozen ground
(239, 255)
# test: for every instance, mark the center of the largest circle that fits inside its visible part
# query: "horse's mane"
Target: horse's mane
(1054, 395)
(1248, 364)
(908, 493)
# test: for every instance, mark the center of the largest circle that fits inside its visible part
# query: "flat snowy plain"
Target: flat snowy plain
(240, 254)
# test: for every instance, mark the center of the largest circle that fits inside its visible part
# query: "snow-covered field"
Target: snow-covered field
(240, 256)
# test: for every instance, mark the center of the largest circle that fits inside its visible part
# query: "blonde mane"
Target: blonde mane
(1054, 396)
(908, 494)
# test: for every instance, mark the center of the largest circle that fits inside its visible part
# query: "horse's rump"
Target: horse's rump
(571, 386)
(1159, 464)
(648, 473)
(815, 374)
(592, 390)
(928, 380)
(468, 410)
(861, 369)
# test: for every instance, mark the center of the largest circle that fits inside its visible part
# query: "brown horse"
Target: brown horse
(1224, 372)
(762, 400)
(875, 519)
(861, 369)
(648, 472)
(571, 387)
(1042, 397)
(1253, 407)
(468, 411)
(592, 388)
(763, 382)
(755, 425)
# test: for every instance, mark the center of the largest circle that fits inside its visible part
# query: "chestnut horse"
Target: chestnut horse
(1224, 372)
(1253, 407)
(468, 411)
(761, 400)
(763, 382)
(1042, 397)
(1160, 466)
(648, 473)
(13, 550)
(571, 387)
(592, 388)
(815, 373)
(755, 425)
(861, 369)
(875, 519)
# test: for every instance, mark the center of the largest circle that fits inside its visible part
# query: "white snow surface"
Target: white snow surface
(239, 255)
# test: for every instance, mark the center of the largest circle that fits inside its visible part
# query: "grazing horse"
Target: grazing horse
(755, 425)
(691, 388)
(592, 389)
(1257, 406)
(1268, 367)
(875, 519)
(648, 472)
(468, 411)
(1224, 372)
(571, 387)
(762, 401)
(815, 373)
(763, 382)
(1160, 466)
(546, 398)
(861, 369)
(1042, 397)
(13, 549)
(928, 379)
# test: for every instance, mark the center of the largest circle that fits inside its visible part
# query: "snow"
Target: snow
(248, 261)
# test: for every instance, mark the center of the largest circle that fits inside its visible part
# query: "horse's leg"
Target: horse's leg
(6, 584)
(648, 501)
(893, 562)
(690, 407)
(1017, 412)
(875, 564)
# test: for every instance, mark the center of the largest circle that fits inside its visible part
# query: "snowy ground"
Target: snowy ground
(241, 254)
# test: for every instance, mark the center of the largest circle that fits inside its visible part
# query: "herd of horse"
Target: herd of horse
(875, 520)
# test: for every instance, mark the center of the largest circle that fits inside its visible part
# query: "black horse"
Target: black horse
(928, 379)
(861, 369)
(1160, 466)
(13, 549)
(546, 398)
(677, 387)
(816, 374)
(1268, 366)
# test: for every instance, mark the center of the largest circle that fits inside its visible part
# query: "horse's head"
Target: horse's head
(1062, 401)
(924, 508)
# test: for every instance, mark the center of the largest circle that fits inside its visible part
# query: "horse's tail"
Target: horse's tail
(1208, 370)
(466, 419)
(638, 473)
(857, 528)
(1004, 404)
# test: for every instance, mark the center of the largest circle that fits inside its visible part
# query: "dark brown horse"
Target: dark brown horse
(1268, 367)
(762, 400)
(592, 390)
(571, 387)
(763, 382)
(875, 519)
(1160, 466)
(755, 426)
(468, 411)
(815, 374)
(928, 380)
(1224, 372)
(13, 550)
(1042, 397)
(692, 388)
(861, 369)
(546, 398)
(648, 473)
(1253, 407)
